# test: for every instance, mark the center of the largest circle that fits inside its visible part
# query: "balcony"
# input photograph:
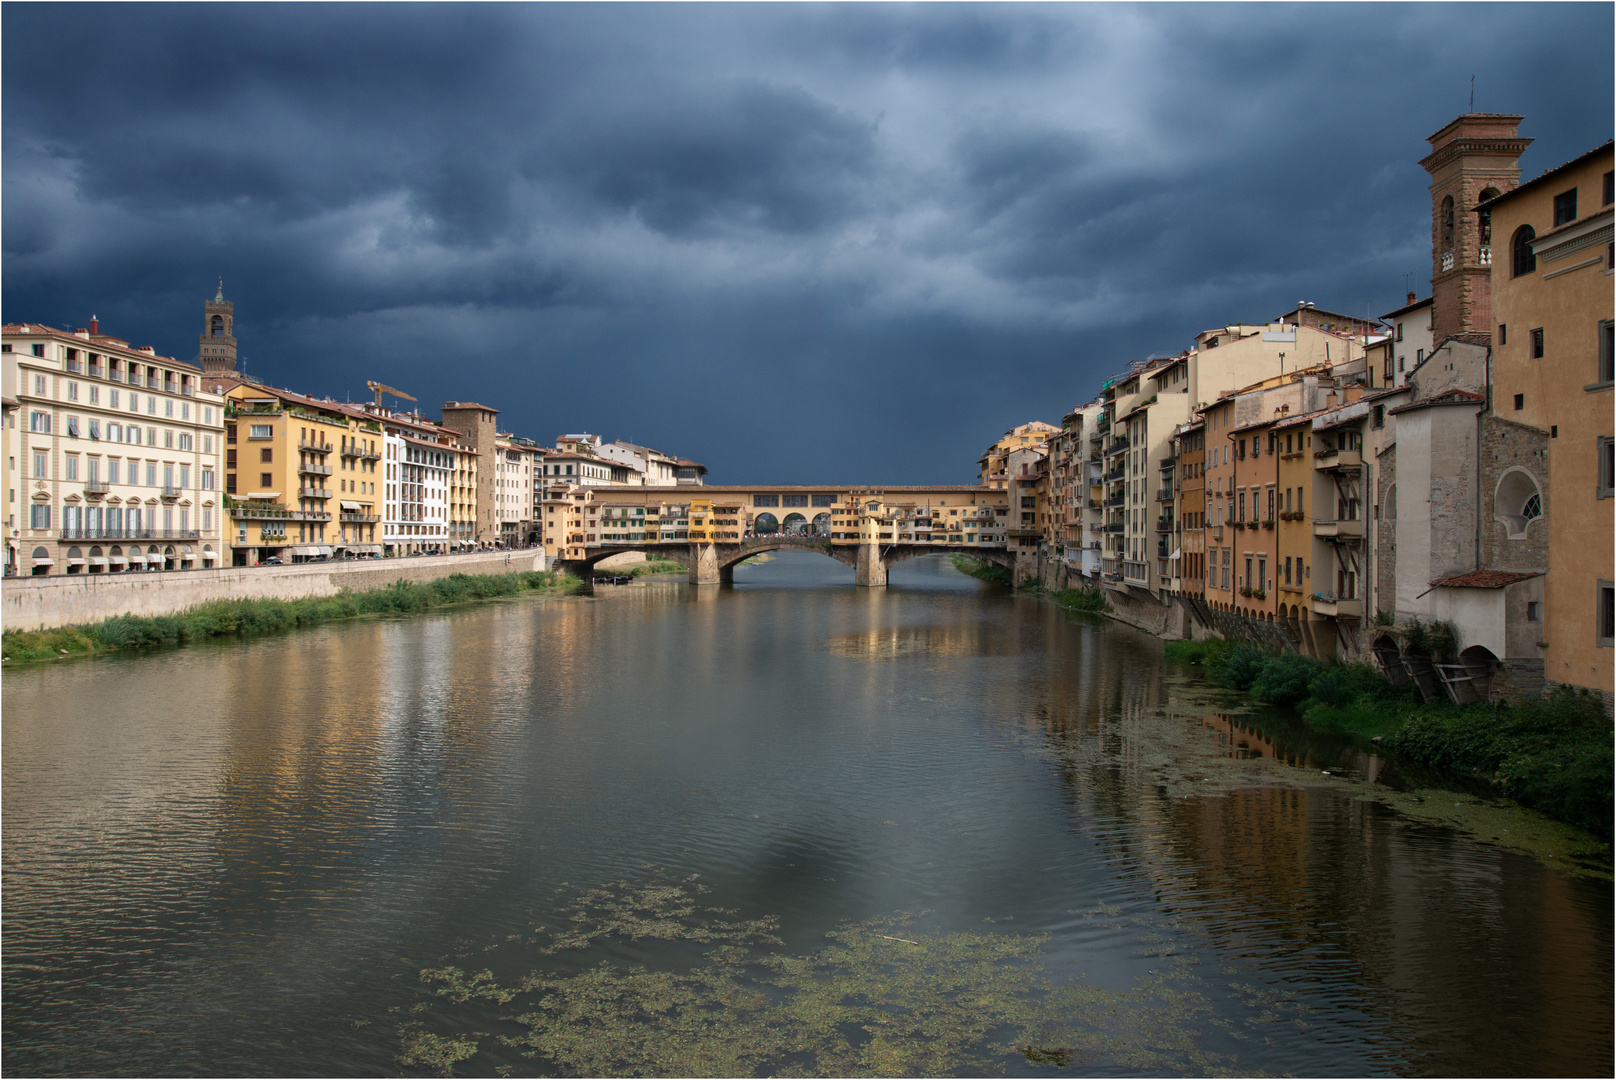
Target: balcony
(1486, 256)
(97, 371)
(317, 448)
(187, 390)
(1331, 529)
(1116, 448)
(1169, 462)
(115, 375)
(359, 516)
(1115, 501)
(1338, 606)
(313, 493)
(1117, 528)
(75, 367)
(170, 492)
(97, 487)
(151, 382)
(1447, 261)
(1135, 572)
(1337, 459)
(315, 470)
(1164, 495)
(1164, 525)
(1115, 474)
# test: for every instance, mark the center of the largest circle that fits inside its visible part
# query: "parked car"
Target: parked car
(273, 560)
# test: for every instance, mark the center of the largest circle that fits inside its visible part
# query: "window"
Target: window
(1565, 207)
(262, 431)
(1447, 223)
(1609, 189)
(1521, 259)
(1606, 449)
(1606, 615)
(1503, 333)
(151, 474)
(39, 516)
(41, 466)
(1520, 402)
(1379, 420)
(71, 461)
(1534, 611)
(266, 455)
(39, 350)
(1607, 351)
(39, 422)
(265, 480)
(185, 441)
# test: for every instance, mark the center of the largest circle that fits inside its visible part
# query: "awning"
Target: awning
(44, 562)
(262, 495)
(120, 558)
(98, 560)
(322, 550)
(137, 558)
(1174, 555)
(303, 549)
(346, 505)
(70, 562)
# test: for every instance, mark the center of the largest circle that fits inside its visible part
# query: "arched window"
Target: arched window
(1484, 218)
(1447, 223)
(1522, 261)
(218, 326)
(1517, 502)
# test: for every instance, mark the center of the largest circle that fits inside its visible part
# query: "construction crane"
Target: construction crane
(383, 388)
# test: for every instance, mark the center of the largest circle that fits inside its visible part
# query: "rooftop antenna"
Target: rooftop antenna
(1472, 93)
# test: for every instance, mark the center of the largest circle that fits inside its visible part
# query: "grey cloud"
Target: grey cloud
(867, 237)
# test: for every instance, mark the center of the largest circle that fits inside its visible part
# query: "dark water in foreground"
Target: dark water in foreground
(237, 859)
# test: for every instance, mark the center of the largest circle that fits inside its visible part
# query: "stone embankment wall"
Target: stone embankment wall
(66, 599)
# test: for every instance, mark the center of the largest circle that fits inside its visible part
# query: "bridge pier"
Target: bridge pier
(870, 570)
(704, 566)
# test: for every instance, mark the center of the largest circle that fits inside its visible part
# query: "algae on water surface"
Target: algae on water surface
(881, 999)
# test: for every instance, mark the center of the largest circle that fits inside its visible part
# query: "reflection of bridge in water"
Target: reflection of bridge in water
(709, 530)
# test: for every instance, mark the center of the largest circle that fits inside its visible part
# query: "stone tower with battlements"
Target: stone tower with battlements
(218, 350)
(1472, 159)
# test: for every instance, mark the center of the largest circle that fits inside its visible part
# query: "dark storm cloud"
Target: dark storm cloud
(797, 242)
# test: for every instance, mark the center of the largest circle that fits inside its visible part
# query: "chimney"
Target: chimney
(1411, 298)
(95, 326)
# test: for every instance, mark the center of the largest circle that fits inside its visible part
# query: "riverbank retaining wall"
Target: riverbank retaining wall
(67, 599)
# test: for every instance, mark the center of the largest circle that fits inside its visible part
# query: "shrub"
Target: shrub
(1284, 678)
(1553, 755)
(1238, 667)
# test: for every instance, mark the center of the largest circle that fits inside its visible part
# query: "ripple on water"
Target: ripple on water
(248, 873)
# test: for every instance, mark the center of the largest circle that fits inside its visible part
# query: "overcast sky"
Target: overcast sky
(802, 244)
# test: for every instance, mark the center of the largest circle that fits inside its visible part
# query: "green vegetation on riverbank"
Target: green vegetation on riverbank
(250, 616)
(984, 571)
(1090, 600)
(648, 568)
(1553, 755)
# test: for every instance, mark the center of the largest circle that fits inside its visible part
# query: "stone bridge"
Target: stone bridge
(714, 563)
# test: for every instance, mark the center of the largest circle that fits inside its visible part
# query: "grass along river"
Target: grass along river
(789, 827)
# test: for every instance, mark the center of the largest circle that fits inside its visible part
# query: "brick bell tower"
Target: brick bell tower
(218, 350)
(1474, 158)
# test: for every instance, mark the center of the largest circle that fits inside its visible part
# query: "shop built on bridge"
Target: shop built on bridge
(710, 529)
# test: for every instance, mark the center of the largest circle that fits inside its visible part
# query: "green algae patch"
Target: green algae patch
(880, 999)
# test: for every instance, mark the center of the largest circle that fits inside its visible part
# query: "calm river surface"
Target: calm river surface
(238, 858)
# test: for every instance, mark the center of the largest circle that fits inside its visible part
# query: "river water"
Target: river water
(946, 828)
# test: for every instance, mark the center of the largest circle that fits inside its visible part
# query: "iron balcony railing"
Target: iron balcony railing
(97, 487)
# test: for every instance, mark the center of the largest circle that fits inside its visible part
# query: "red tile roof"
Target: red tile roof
(1485, 579)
